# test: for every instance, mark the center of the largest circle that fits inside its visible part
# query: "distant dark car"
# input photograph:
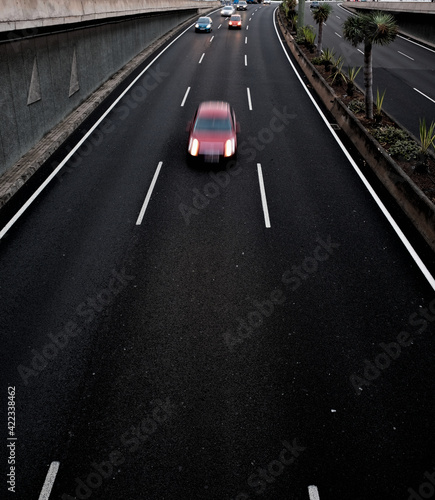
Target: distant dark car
(242, 5)
(213, 132)
(204, 24)
(235, 22)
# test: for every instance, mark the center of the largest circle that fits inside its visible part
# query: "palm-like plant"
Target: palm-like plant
(427, 139)
(379, 103)
(327, 58)
(372, 28)
(352, 73)
(427, 135)
(310, 37)
(321, 15)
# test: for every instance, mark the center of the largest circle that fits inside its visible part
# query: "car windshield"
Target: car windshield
(216, 124)
(203, 20)
(235, 18)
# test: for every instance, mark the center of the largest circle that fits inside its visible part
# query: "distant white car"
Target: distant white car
(228, 10)
(266, 2)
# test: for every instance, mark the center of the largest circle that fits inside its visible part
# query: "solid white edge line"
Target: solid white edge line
(263, 196)
(427, 97)
(82, 140)
(202, 57)
(313, 492)
(148, 196)
(249, 98)
(376, 198)
(49, 481)
(185, 96)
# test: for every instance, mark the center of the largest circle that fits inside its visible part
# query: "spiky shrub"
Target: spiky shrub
(427, 135)
(351, 75)
(300, 36)
(328, 57)
(310, 36)
(289, 9)
(378, 104)
(337, 73)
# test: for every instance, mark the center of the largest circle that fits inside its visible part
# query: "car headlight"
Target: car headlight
(196, 25)
(194, 147)
(208, 26)
(229, 147)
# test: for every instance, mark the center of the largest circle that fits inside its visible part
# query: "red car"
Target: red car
(213, 132)
(235, 22)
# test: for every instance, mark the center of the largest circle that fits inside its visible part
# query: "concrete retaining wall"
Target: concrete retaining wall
(26, 14)
(419, 209)
(43, 78)
(415, 19)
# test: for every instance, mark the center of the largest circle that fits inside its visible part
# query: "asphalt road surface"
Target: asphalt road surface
(170, 332)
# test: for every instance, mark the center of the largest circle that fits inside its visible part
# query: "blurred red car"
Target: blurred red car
(235, 22)
(213, 132)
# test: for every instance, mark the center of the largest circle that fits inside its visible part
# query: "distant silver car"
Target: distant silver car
(228, 10)
(242, 5)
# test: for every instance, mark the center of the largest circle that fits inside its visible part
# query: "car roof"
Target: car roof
(236, 16)
(214, 108)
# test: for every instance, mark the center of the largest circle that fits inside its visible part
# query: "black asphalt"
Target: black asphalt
(201, 355)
